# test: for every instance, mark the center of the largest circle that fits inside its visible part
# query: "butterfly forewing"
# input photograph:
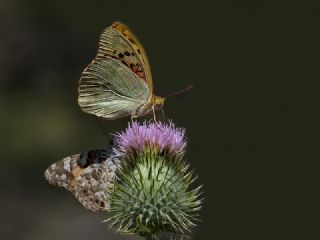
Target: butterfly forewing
(119, 42)
(113, 45)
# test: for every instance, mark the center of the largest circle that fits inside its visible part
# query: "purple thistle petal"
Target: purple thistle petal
(137, 137)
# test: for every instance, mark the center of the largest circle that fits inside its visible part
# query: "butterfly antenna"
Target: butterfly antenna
(180, 91)
(101, 127)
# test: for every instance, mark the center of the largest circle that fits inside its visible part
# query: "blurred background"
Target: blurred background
(252, 119)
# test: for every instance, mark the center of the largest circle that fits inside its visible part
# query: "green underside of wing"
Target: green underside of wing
(109, 89)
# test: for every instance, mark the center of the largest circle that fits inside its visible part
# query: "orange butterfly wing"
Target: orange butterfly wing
(139, 52)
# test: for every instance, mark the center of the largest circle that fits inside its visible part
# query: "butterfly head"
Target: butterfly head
(158, 102)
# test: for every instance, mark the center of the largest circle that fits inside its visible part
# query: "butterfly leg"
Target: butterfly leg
(154, 113)
(134, 118)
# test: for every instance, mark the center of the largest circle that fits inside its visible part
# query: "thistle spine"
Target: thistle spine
(151, 195)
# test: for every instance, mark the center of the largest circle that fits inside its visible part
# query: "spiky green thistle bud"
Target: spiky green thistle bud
(152, 191)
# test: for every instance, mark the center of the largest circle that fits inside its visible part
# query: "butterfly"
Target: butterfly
(118, 82)
(87, 175)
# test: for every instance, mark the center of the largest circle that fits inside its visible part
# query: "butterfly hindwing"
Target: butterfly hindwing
(110, 90)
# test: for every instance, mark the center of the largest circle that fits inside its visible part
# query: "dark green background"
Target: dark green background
(252, 119)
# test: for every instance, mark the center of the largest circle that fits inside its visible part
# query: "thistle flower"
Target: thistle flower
(152, 191)
(159, 136)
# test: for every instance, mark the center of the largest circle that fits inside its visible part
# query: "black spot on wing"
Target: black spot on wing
(132, 40)
(93, 156)
(124, 62)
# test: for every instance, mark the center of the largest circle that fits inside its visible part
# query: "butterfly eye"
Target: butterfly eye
(158, 102)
